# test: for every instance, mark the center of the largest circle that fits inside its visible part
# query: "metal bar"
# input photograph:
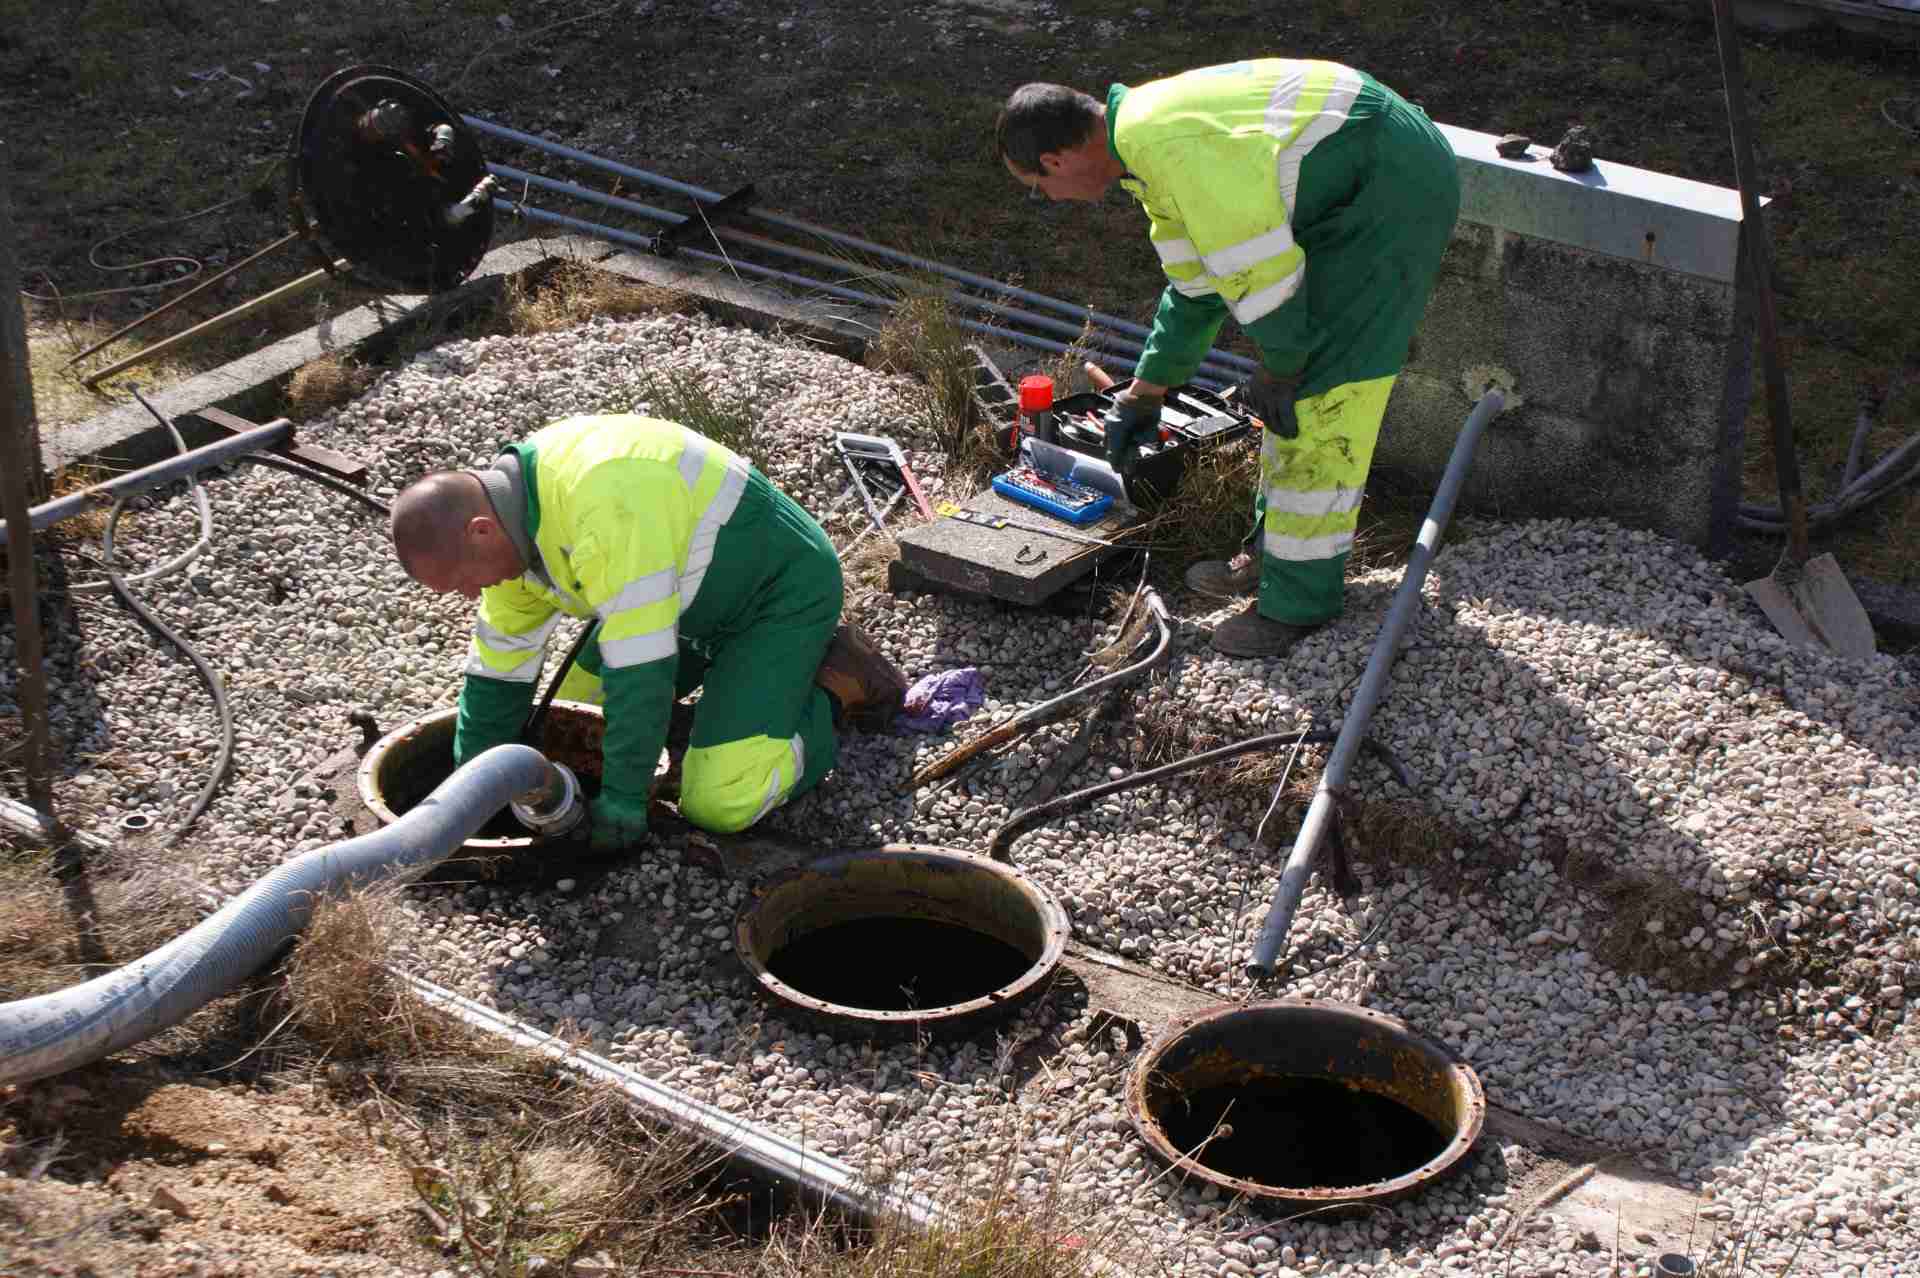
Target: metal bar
(1786, 462)
(18, 476)
(291, 289)
(788, 277)
(1373, 681)
(1081, 313)
(193, 292)
(49, 513)
(350, 469)
(1113, 343)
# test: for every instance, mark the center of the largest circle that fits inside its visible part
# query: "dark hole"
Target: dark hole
(1300, 1132)
(893, 964)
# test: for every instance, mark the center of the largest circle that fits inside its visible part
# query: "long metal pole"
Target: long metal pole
(273, 434)
(19, 475)
(595, 229)
(286, 292)
(1373, 681)
(1068, 309)
(1095, 338)
(191, 293)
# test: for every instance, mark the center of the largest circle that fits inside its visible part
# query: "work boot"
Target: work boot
(1227, 578)
(867, 690)
(1248, 634)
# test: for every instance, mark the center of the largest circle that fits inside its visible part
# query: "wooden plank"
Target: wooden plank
(337, 464)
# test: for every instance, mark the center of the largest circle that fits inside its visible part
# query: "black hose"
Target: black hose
(319, 477)
(1000, 846)
(208, 675)
(532, 725)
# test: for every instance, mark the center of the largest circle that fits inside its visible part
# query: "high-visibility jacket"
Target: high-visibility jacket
(627, 518)
(1215, 156)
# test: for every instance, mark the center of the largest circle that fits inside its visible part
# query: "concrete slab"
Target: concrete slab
(1017, 564)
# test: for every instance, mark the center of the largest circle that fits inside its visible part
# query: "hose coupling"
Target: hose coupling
(555, 810)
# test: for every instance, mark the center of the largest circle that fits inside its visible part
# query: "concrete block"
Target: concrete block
(1013, 564)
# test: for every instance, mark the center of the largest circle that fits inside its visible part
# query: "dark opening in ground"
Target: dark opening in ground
(895, 964)
(1300, 1132)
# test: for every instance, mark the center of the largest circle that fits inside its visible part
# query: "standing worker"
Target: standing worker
(699, 572)
(1313, 204)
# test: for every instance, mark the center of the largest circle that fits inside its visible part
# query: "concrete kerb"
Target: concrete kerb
(251, 386)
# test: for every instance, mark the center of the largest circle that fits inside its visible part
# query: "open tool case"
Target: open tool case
(1192, 420)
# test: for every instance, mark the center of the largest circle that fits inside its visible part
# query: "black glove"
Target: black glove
(1130, 422)
(1270, 398)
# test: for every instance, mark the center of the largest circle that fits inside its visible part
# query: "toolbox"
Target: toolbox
(1192, 419)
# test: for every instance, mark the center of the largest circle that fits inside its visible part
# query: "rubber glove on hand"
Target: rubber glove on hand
(1130, 422)
(1270, 398)
(616, 822)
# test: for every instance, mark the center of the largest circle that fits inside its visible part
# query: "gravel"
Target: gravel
(1671, 904)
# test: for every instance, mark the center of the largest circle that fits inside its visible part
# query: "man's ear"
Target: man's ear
(481, 529)
(1049, 163)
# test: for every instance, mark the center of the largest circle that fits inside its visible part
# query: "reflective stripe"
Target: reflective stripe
(498, 655)
(640, 592)
(1266, 300)
(1238, 257)
(693, 460)
(1174, 252)
(1326, 501)
(776, 791)
(1202, 287)
(637, 650)
(1330, 102)
(1305, 549)
(707, 531)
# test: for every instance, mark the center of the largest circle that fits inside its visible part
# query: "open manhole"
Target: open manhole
(1304, 1101)
(902, 937)
(409, 763)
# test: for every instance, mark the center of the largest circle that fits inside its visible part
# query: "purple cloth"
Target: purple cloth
(938, 701)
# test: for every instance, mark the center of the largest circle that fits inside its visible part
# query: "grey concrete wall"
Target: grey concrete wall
(1610, 301)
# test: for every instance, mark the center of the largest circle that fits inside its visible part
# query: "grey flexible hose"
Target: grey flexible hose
(51, 1033)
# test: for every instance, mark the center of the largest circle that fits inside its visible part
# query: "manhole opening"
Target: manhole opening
(893, 963)
(410, 763)
(1298, 1132)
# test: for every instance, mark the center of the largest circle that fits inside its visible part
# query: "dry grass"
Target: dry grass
(55, 934)
(573, 293)
(325, 384)
(922, 338)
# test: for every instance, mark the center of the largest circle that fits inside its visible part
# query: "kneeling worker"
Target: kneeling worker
(701, 574)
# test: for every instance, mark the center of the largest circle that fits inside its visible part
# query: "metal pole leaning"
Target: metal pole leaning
(1373, 680)
(47, 514)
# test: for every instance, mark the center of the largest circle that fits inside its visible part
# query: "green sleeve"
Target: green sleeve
(1285, 336)
(1183, 328)
(639, 700)
(491, 712)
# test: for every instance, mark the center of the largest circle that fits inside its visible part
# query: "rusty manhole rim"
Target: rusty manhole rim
(1052, 914)
(377, 753)
(1428, 1173)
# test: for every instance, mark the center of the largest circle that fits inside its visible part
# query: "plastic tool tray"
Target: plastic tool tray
(1056, 494)
(1192, 419)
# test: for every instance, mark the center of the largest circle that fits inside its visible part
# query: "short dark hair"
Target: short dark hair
(1040, 118)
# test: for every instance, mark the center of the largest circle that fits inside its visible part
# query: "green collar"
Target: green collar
(1114, 97)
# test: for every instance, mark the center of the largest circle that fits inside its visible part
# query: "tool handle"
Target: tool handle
(1786, 465)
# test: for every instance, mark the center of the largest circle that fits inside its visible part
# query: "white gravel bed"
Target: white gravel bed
(1589, 706)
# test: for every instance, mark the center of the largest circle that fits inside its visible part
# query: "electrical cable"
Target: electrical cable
(197, 265)
(318, 476)
(539, 712)
(187, 556)
(208, 674)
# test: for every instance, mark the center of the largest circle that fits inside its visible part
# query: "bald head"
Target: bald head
(448, 537)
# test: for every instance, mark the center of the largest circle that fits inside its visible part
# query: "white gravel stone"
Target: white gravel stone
(1589, 708)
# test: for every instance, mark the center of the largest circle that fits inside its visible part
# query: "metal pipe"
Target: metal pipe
(191, 293)
(1112, 343)
(52, 1033)
(19, 473)
(787, 277)
(759, 1150)
(286, 292)
(45, 515)
(1047, 711)
(1373, 681)
(1081, 313)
